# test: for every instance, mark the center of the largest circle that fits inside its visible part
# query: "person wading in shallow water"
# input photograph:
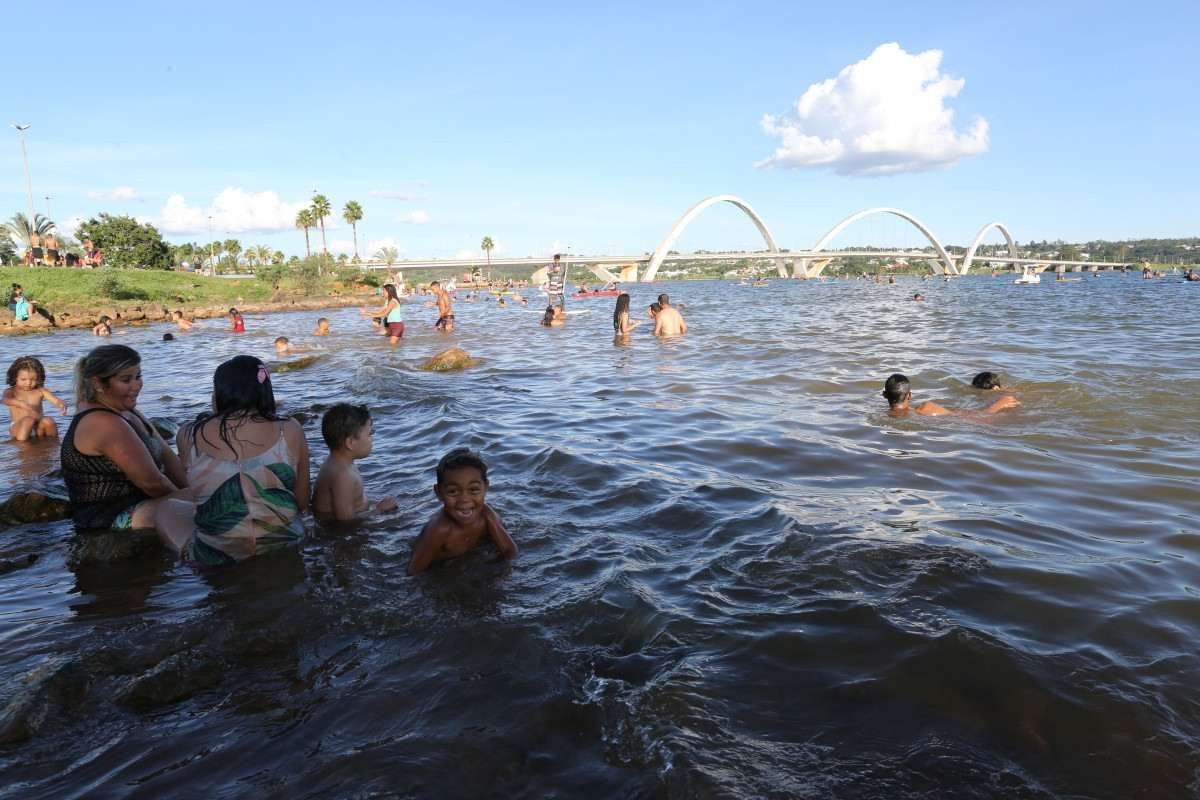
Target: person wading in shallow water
(668, 321)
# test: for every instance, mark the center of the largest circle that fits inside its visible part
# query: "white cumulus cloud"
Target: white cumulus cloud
(119, 193)
(234, 210)
(884, 115)
(418, 217)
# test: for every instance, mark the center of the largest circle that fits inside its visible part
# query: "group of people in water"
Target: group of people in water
(236, 482)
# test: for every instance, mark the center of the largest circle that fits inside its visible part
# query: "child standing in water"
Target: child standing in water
(24, 395)
(338, 493)
(464, 518)
(239, 324)
(103, 327)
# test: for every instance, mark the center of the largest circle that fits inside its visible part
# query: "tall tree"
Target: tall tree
(387, 255)
(322, 208)
(487, 245)
(305, 220)
(234, 249)
(126, 242)
(263, 254)
(353, 214)
(20, 229)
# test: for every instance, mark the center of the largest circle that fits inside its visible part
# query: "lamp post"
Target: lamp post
(49, 215)
(28, 183)
(212, 264)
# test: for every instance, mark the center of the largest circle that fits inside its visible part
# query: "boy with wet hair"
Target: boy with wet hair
(464, 518)
(338, 493)
(988, 381)
(898, 392)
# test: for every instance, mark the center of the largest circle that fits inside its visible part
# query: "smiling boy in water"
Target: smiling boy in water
(464, 518)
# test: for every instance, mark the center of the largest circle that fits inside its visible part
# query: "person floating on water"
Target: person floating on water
(898, 393)
(988, 381)
(464, 518)
(668, 321)
(338, 493)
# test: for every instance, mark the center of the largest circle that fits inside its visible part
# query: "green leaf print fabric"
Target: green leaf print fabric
(243, 507)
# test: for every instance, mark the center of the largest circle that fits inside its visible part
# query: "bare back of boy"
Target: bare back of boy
(338, 493)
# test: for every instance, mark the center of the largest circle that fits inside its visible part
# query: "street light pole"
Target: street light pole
(212, 264)
(28, 183)
(49, 215)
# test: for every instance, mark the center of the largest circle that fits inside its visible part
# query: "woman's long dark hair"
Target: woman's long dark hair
(622, 307)
(241, 390)
(549, 316)
(390, 290)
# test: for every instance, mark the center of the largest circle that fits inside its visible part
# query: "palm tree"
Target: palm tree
(305, 220)
(214, 253)
(352, 213)
(487, 245)
(263, 254)
(387, 255)
(252, 257)
(277, 257)
(20, 229)
(321, 208)
(234, 249)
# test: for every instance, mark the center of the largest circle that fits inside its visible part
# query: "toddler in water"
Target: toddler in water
(322, 327)
(464, 518)
(239, 324)
(103, 327)
(348, 431)
(177, 318)
(24, 396)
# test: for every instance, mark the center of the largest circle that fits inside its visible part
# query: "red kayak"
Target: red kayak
(600, 293)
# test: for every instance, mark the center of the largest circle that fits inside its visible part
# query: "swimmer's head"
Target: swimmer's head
(663, 300)
(987, 380)
(654, 309)
(281, 344)
(896, 389)
(548, 317)
(168, 337)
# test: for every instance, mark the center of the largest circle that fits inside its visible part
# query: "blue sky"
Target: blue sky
(547, 126)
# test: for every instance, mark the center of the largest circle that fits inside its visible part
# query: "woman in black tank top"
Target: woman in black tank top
(116, 467)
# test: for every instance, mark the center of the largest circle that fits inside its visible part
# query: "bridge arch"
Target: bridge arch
(664, 246)
(978, 240)
(943, 256)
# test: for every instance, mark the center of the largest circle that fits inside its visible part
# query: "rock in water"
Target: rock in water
(166, 428)
(33, 506)
(299, 363)
(454, 358)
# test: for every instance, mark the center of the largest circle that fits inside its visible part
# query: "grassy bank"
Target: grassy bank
(52, 287)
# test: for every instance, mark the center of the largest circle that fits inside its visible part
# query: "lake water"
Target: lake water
(738, 575)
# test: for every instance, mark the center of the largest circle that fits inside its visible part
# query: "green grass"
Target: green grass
(52, 287)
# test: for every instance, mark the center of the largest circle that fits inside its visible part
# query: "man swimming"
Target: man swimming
(898, 393)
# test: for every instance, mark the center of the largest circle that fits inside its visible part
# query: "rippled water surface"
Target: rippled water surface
(738, 575)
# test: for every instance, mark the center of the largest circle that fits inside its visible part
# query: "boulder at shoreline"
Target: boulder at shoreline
(454, 358)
